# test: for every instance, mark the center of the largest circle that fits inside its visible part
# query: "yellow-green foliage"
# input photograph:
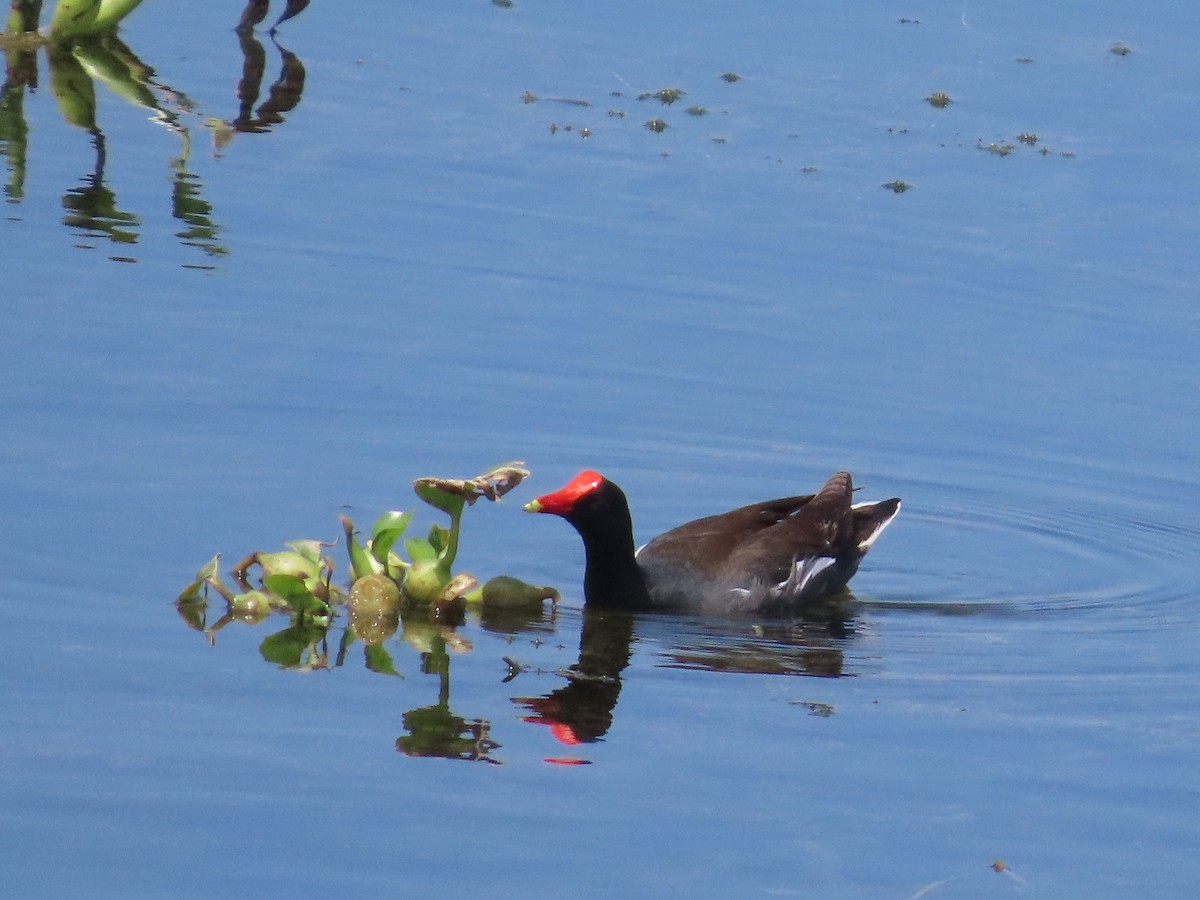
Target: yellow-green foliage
(74, 19)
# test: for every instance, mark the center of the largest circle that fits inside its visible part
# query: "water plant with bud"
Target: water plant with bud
(383, 581)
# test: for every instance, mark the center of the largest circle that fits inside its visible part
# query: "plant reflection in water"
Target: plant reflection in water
(578, 712)
(93, 210)
(435, 731)
(374, 620)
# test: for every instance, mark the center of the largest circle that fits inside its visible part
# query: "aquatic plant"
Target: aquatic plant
(75, 19)
(86, 59)
(71, 21)
(383, 583)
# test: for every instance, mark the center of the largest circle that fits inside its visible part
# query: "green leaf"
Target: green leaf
(361, 562)
(284, 648)
(425, 579)
(310, 549)
(22, 19)
(441, 493)
(195, 590)
(210, 568)
(387, 531)
(396, 567)
(493, 484)
(113, 11)
(254, 603)
(296, 594)
(288, 562)
(72, 18)
(506, 592)
(439, 539)
(391, 520)
(420, 550)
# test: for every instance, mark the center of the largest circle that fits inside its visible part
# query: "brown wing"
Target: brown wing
(821, 527)
(707, 544)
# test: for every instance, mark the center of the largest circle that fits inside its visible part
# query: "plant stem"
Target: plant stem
(23, 16)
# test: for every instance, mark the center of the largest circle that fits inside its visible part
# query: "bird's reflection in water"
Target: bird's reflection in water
(581, 711)
(800, 648)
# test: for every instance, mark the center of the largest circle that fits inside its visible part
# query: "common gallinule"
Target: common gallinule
(775, 556)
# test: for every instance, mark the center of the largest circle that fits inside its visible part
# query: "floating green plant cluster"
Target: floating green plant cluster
(389, 574)
(84, 54)
(71, 20)
(75, 20)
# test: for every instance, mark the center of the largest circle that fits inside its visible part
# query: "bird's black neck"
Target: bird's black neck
(613, 577)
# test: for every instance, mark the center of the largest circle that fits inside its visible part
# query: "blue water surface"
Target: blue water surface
(432, 262)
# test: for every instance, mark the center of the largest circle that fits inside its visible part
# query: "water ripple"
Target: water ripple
(1036, 549)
